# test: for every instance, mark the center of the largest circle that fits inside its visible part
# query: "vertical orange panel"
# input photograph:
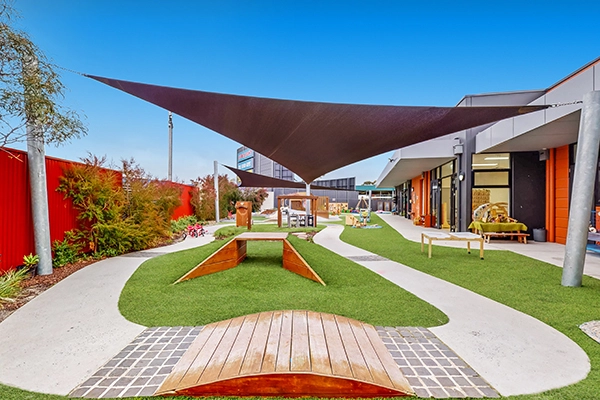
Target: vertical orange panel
(561, 198)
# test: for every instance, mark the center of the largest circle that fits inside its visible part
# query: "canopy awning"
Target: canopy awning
(250, 179)
(312, 138)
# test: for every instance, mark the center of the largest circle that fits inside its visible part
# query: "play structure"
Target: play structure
(289, 354)
(364, 211)
(234, 252)
(295, 208)
(243, 214)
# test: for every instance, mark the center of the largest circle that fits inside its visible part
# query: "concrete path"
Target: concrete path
(515, 353)
(60, 338)
(552, 253)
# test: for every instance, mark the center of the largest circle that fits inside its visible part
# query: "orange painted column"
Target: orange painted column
(552, 198)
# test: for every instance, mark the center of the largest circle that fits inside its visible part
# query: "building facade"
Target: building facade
(526, 162)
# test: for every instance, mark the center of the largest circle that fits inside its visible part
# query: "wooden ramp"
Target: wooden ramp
(234, 252)
(287, 353)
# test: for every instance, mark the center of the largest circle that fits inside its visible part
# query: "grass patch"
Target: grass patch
(523, 283)
(261, 284)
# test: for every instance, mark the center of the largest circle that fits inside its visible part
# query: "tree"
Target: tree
(204, 199)
(30, 89)
(256, 195)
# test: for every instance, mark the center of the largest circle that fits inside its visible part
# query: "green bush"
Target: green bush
(182, 223)
(118, 218)
(10, 284)
(66, 251)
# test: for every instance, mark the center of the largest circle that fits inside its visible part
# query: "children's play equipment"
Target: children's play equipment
(288, 354)
(243, 214)
(364, 211)
(297, 217)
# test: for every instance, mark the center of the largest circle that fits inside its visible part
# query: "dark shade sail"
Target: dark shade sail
(250, 179)
(311, 138)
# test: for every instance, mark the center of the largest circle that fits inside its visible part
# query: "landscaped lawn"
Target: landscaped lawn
(525, 284)
(261, 284)
(517, 281)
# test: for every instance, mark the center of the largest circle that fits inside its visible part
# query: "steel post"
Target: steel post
(170, 146)
(586, 168)
(36, 161)
(216, 179)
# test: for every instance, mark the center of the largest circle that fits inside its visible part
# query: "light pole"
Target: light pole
(170, 175)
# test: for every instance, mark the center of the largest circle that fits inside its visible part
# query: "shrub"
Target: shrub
(115, 218)
(10, 284)
(66, 251)
(182, 223)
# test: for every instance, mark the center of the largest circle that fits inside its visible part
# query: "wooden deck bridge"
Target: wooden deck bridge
(234, 252)
(287, 353)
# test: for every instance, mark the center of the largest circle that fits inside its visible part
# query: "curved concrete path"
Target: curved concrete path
(64, 335)
(514, 352)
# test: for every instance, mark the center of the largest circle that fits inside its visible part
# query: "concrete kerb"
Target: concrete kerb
(515, 353)
(57, 340)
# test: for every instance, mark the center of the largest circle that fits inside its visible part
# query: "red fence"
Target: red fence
(16, 224)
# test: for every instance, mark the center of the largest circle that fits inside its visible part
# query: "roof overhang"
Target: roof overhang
(412, 161)
(531, 134)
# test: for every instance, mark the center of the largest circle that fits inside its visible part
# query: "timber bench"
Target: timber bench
(462, 236)
(521, 237)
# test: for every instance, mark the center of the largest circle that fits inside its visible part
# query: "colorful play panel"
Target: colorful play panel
(234, 252)
(287, 353)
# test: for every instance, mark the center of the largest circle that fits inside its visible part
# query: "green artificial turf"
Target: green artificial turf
(261, 284)
(523, 283)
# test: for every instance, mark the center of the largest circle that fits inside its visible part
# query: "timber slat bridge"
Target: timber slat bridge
(287, 353)
(234, 252)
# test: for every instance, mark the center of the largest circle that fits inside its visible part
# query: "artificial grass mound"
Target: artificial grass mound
(261, 284)
(525, 284)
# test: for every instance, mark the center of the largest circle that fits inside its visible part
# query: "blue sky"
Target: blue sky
(394, 53)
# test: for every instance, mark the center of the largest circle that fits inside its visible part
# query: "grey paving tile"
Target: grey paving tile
(79, 392)
(132, 392)
(95, 393)
(422, 392)
(112, 393)
(148, 391)
(438, 393)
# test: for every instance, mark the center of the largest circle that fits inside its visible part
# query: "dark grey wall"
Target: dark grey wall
(529, 189)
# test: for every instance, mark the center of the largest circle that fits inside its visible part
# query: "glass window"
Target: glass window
(499, 178)
(447, 169)
(491, 161)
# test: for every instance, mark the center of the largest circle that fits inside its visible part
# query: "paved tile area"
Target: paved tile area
(140, 368)
(431, 367)
(592, 329)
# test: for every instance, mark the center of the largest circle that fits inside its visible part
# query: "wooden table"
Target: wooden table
(287, 353)
(462, 236)
(234, 252)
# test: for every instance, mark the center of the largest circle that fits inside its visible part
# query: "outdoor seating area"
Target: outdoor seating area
(491, 220)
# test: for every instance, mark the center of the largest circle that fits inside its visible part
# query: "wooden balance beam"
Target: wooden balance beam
(234, 252)
(287, 353)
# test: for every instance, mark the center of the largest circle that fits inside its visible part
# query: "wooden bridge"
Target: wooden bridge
(234, 252)
(287, 353)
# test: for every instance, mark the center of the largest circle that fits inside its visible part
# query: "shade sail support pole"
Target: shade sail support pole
(586, 168)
